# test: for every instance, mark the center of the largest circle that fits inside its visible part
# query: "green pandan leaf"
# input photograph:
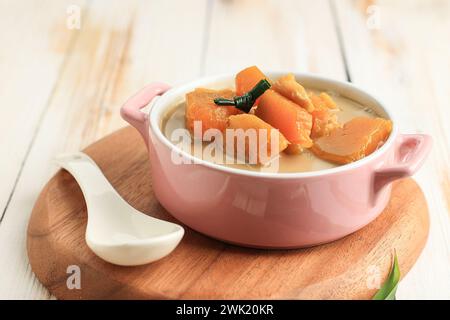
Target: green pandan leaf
(389, 288)
(247, 100)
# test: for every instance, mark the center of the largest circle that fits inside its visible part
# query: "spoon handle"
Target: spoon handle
(90, 178)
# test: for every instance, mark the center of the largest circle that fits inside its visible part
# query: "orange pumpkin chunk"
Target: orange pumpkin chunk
(322, 101)
(324, 121)
(356, 139)
(248, 122)
(246, 79)
(289, 88)
(293, 121)
(200, 106)
(293, 149)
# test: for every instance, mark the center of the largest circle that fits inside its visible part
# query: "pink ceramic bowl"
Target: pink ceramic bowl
(272, 210)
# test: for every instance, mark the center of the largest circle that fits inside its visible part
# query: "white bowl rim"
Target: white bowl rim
(157, 107)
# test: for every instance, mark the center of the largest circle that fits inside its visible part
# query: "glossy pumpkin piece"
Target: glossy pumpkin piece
(324, 121)
(294, 122)
(262, 130)
(324, 116)
(322, 101)
(200, 106)
(289, 88)
(246, 79)
(294, 149)
(355, 140)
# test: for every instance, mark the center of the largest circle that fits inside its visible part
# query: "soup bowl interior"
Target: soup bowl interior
(176, 95)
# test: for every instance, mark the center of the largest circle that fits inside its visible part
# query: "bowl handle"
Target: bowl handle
(411, 151)
(131, 110)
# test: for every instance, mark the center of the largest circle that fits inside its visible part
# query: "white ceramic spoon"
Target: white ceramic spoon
(117, 232)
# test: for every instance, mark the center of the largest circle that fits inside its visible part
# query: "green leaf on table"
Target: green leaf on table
(389, 288)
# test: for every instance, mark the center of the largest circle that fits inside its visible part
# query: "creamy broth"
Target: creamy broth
(348, 109)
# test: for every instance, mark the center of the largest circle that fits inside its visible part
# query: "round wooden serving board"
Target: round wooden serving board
(201, 267)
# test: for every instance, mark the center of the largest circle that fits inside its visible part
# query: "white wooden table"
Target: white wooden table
(61, 87)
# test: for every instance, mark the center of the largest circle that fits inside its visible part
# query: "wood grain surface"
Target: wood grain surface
(201, 267)
(62, 88)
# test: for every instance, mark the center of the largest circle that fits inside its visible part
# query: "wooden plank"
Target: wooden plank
(404, 60)
(32, 56)
(121, 46)
(277, 35)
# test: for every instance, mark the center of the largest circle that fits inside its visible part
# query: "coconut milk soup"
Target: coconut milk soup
(347, 110)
